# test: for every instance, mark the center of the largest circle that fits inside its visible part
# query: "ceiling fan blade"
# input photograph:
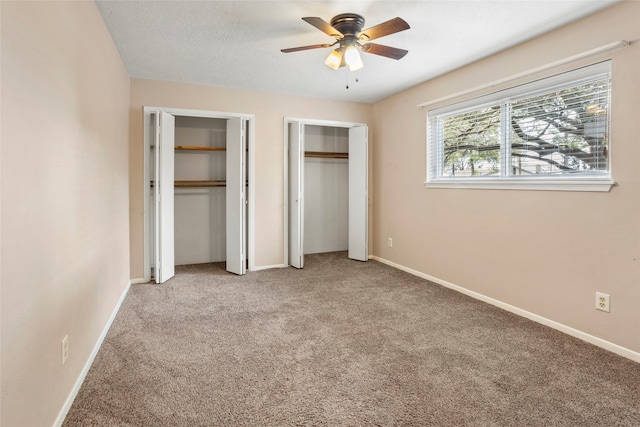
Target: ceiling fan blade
(299, 48)
(391, 26)
(388, 51)
(323, 26)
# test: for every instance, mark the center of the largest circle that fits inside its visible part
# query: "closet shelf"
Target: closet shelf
(198, 183)
(326, 155)
(197, 148)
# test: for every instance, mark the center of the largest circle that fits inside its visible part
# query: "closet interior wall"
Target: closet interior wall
(200, 207)
(326, 189)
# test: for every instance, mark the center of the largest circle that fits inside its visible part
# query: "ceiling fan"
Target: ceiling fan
(347, 30)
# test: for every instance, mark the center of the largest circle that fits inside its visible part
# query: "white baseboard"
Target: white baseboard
(76, 388)
(267, 267)
(615, 348)
(138, 281)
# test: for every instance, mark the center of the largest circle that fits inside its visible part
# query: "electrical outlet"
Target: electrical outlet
(390, 242)
(602, 302)
(65, 348)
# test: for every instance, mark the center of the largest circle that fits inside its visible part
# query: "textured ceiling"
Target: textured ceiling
(237, 43)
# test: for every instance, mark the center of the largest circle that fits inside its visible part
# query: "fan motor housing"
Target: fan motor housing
(349, 24)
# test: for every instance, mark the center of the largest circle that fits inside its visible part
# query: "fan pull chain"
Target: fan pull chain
(356, 80)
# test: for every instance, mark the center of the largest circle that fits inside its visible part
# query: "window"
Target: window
(549, 134)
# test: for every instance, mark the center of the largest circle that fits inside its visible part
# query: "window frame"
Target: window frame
(594, 181)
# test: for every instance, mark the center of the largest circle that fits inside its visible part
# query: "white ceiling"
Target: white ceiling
(237, 43)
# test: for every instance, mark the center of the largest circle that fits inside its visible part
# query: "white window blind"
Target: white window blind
(550, 131)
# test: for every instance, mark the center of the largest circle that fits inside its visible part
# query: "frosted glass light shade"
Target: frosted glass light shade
(334, 59)
(352, 58)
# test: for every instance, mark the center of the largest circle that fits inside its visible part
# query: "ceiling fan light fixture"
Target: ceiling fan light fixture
(352, 58)
(334, 59)
(347, 29)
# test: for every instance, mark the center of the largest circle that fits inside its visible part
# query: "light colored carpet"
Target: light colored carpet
(341, 343)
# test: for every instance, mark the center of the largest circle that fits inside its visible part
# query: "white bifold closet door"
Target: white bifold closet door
(164, 253)
(236, 198)
(163, 193)
(358, 193)
(296, 202)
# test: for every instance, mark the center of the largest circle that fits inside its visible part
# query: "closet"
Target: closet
(327, 189)
(198, 184)
(200, 190)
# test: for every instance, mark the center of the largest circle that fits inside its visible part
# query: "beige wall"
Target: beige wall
(546, 252)
(65, 222)
(269, 110)
(70, 130)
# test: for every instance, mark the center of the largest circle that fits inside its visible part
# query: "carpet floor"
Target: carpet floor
(341, 343)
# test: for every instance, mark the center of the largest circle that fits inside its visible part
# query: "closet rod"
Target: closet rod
(198, 148)
(186, 183)
(199, 183)
(583, 55)
(194, 185)
(326, 155)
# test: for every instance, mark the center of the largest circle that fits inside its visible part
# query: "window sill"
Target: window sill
(539, 184)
